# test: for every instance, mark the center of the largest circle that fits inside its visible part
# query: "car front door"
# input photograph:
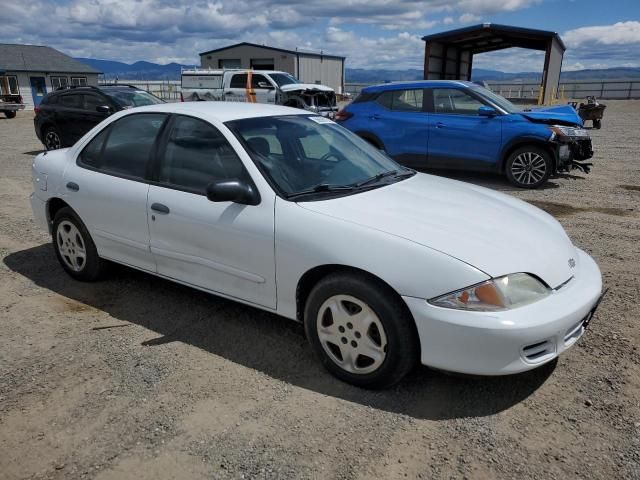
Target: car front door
(458, 136)
(223, 247)
(264, 90)
(398, 119)
(91, 115)
(108, 188)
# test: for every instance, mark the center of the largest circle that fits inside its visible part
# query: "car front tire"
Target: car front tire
(10, 114)
(529, 167)
(74, 247)
(361, 330)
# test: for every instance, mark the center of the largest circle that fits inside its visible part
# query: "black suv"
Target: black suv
(65, 115)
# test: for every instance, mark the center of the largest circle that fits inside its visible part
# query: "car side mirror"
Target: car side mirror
(103, 109)
(485, 111)
(264, 85)
(236, 191)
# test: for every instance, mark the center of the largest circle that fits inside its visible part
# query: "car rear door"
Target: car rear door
(108, 187)
(69, 117)
(223, 247)
(399, 120)
(458, 136)
(236, 91)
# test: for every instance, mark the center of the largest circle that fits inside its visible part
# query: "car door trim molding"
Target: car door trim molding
(119, 239)
(252, 277)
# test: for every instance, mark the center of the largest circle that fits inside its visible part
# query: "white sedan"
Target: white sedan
(288, 212)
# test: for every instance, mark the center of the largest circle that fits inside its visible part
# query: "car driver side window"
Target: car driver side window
(197, 154)
(455, 101)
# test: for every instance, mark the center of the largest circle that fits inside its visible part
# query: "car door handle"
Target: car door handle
(375, 116)
(440, 125)
(160, 208)
(73, 186)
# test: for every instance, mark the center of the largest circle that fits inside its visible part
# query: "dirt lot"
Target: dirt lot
(135, 377)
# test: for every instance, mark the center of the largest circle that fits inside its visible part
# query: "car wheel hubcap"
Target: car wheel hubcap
(351, 334)
(52, 141)
(528, 168)
(71, 246)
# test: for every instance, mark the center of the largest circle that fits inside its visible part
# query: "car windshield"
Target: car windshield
(311, 156)
(134, 98)
(496, 99)
(283, 79)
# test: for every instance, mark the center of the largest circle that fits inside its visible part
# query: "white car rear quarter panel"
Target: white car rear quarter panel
(306, 239)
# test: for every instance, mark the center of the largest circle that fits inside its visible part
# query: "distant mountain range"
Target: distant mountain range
(153, 71)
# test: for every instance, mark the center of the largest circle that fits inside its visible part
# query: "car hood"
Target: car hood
(558, 114)
(493, 232)
(294, 87)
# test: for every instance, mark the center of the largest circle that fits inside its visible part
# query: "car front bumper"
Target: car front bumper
(39, 208)
(501, 343)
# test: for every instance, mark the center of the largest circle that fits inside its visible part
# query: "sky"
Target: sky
(370, 33)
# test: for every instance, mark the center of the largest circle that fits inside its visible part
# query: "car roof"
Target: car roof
(417, 84)
(221, 111)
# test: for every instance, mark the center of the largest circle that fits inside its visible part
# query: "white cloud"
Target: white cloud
(469, 18)
(371, 33)
(621, 33)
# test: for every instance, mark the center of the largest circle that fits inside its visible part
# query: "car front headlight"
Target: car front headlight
(561, 131)
(502, 293)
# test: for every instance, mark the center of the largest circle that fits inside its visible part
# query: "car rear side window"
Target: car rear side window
(455, 101)
(239, 81)
(197, 154)
(126, 146)
(71, 101)
(90, 155)
(402, 100)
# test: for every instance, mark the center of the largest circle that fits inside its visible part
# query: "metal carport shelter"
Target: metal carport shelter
(449, 55)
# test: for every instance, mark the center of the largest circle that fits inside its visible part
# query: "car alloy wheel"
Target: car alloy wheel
(71, 246)
(351, 334)
(528, 168)
(52, 140)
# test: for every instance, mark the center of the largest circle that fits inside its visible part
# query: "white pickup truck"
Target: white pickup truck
(257, 86)
(10, 98)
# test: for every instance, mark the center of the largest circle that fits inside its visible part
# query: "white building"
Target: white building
(308, 67)
(33, 70)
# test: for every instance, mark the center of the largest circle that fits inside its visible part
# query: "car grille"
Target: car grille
(538, 352)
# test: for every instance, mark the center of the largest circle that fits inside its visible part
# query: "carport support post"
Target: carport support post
(551, 74)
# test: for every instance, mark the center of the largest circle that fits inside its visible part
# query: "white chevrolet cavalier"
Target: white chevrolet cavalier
(288, 212)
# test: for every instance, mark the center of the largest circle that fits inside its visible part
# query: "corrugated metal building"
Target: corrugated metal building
(306, 66)
(33, 70)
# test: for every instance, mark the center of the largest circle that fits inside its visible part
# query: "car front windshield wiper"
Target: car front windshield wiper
(380, 176)
(323, 187)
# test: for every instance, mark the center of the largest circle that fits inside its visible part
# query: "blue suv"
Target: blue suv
(461, 125)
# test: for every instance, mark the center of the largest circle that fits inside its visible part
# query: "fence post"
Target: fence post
(630, 89)
(601, 89)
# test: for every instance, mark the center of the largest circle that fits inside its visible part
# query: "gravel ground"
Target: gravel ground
(135, 377)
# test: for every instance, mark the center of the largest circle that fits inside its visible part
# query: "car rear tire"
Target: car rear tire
(361, 331)
(529, 167)
(597, 124)
(10, 114)
(52, 138)
(74, 247)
